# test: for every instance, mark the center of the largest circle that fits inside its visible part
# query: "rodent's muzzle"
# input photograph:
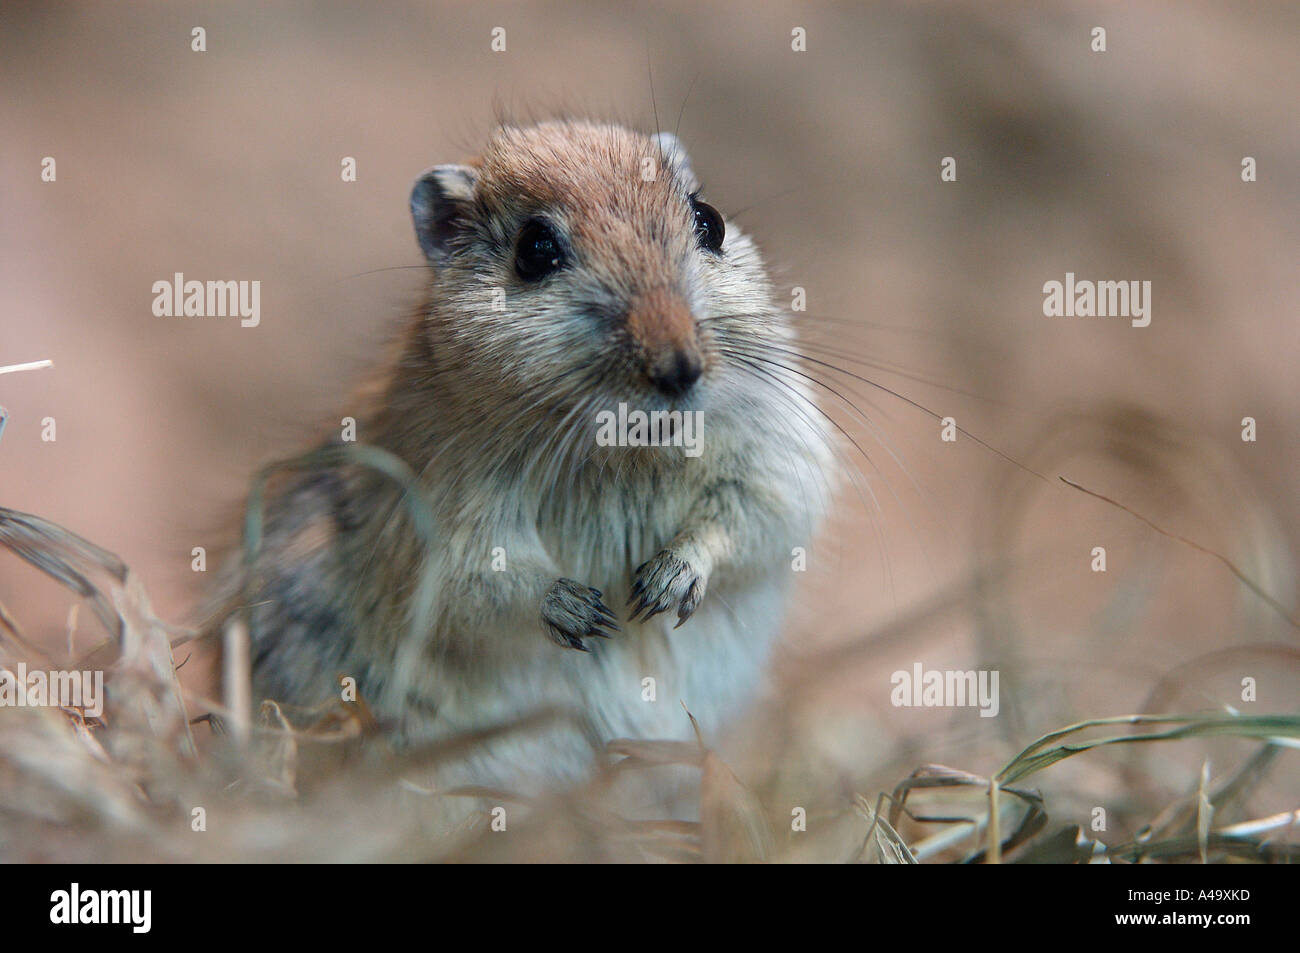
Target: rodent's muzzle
(662, 329)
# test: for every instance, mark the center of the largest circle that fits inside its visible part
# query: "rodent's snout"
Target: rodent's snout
(674, 373)
(662, 329)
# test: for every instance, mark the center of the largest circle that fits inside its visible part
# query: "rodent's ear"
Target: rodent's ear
(439, 200)
(674, 153)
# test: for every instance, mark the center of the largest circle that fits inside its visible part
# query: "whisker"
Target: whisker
(754, 368)
(892, 368)
(879, 436)
(919, 406)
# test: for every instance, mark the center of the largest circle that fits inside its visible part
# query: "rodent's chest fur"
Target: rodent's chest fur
(340, 599)
(615, 518)
(600, 530)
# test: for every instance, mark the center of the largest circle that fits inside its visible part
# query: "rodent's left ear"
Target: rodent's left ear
(439, 200)
(674, 153)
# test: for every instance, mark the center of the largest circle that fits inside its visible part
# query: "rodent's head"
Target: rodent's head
(581, 257)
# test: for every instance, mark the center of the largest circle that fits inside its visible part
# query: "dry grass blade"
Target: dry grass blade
(936, 776)
(146, 651)
(1204, 812)
(1224, 795)
(890, 846)
(62, 554)
(1278, 729)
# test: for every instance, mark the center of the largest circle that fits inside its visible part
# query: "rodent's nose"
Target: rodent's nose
(662, 330)
(676, 372)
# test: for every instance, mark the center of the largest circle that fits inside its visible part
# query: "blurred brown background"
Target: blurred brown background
(1122, 165)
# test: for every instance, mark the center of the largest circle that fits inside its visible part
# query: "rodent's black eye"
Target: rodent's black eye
(537, 252)
(708, 225)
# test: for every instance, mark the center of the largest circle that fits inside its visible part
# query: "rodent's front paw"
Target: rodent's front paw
(571, 610)
(663, 582)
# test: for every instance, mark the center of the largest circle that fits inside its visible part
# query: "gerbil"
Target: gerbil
(574, 268)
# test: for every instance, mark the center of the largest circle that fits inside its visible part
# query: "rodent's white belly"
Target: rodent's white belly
(712, 666)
